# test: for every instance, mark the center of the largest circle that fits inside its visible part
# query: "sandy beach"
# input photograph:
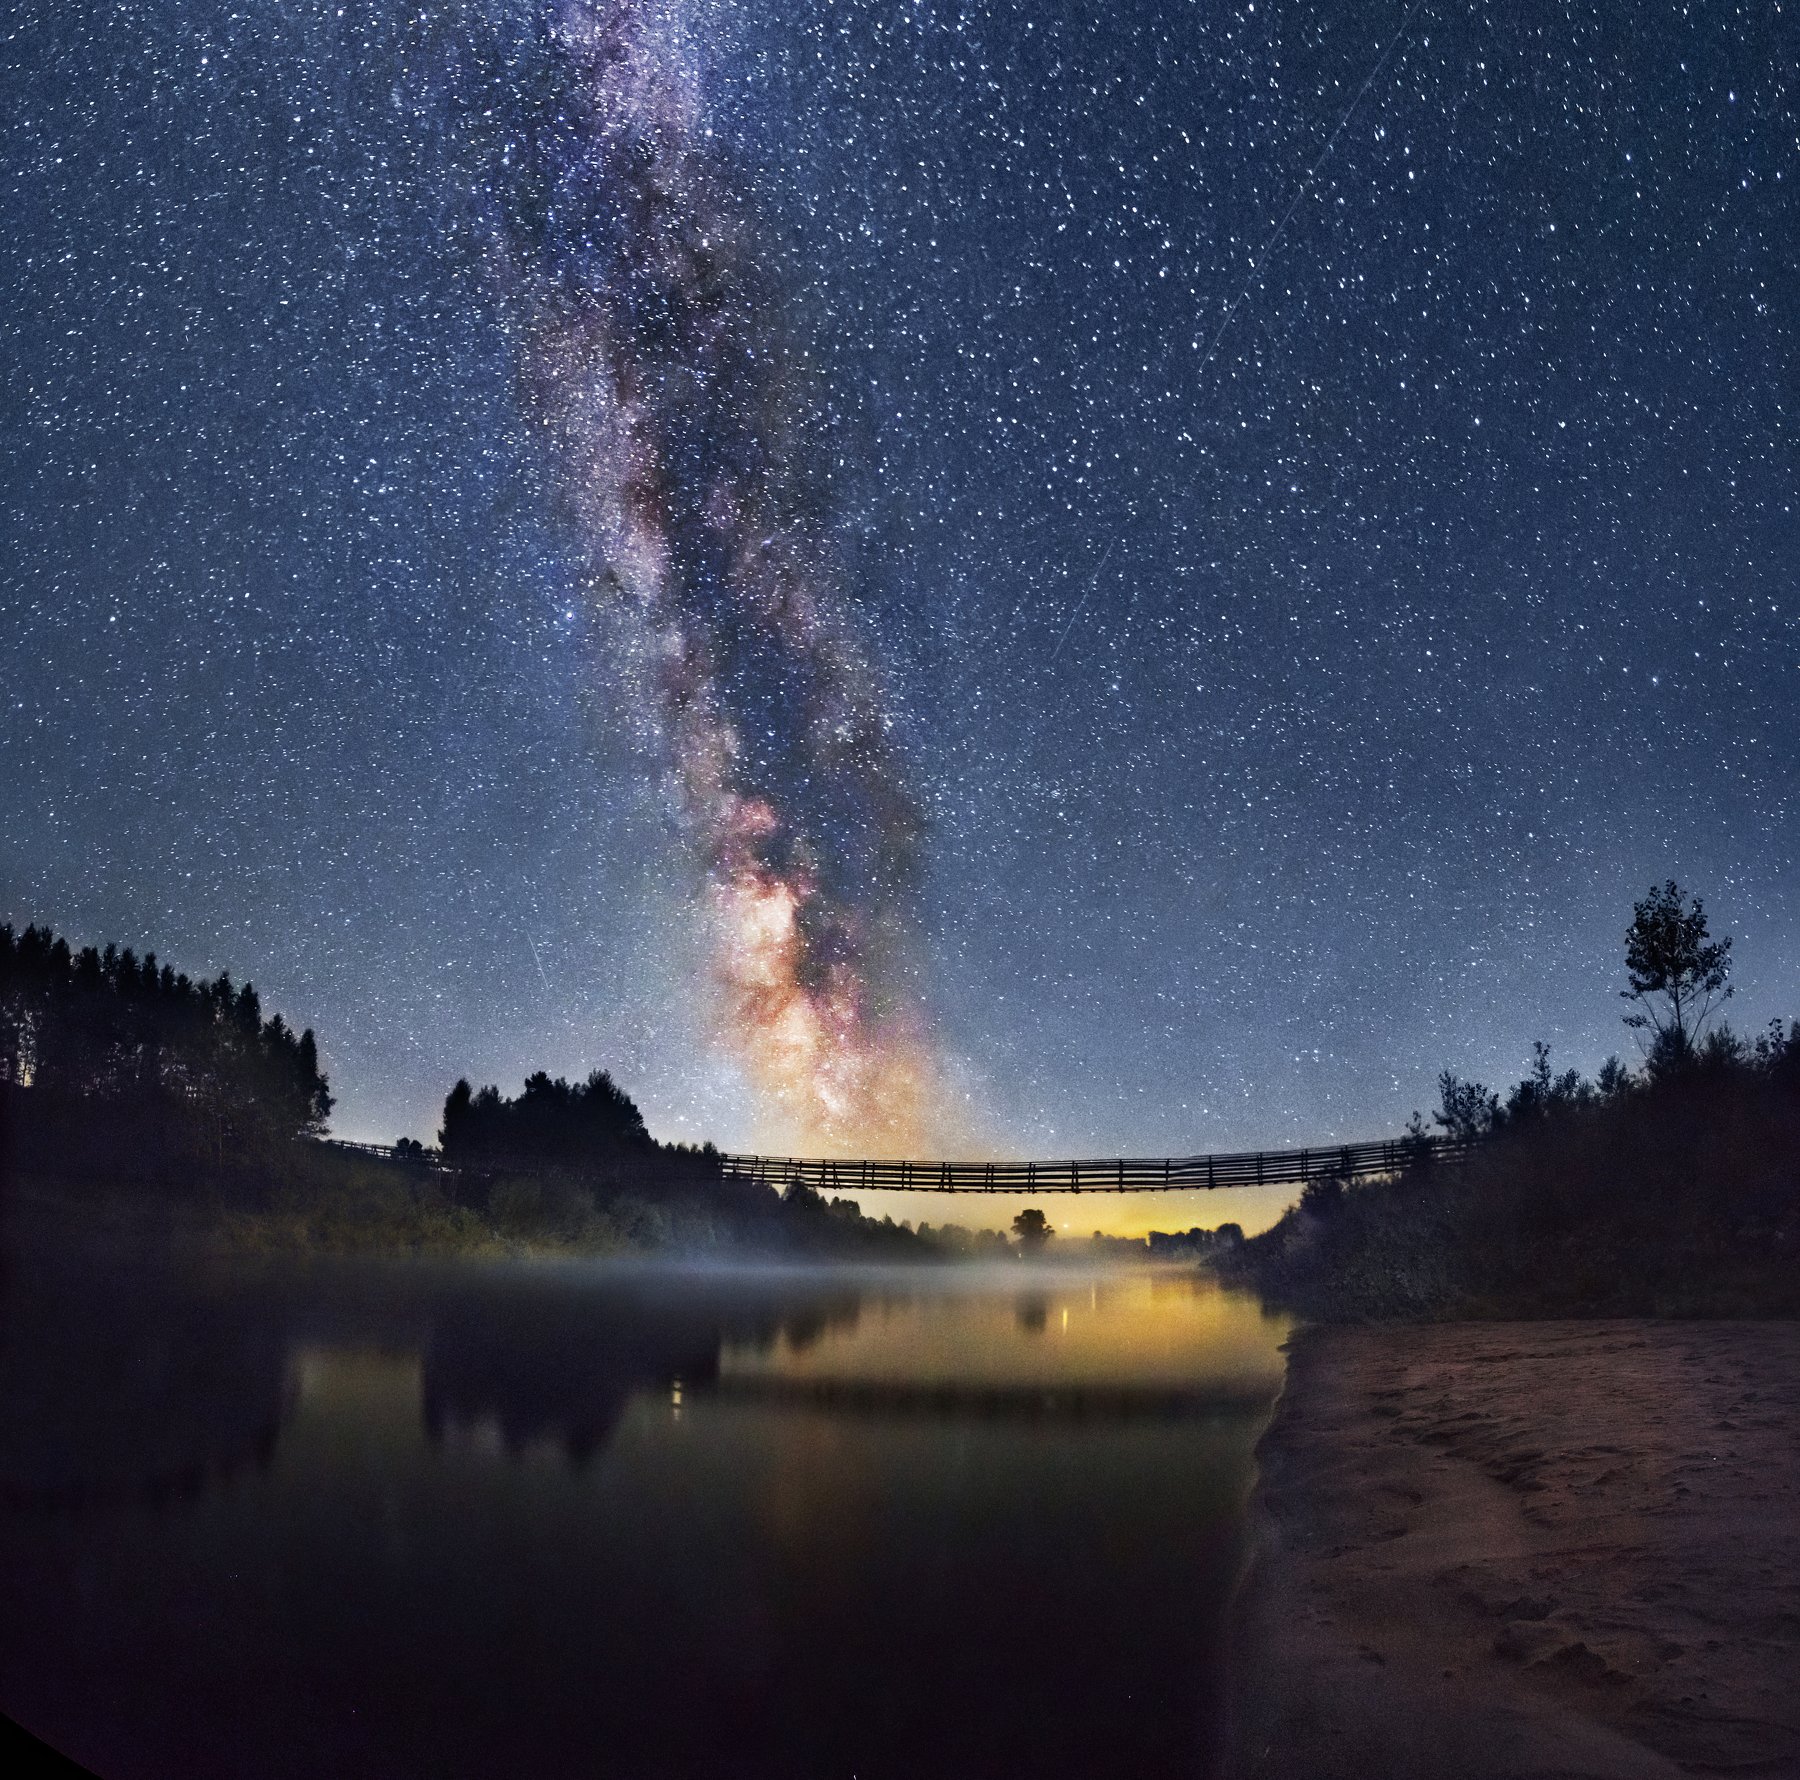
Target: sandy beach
(1544, 1549)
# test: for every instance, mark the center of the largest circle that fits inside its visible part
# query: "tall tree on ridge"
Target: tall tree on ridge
(1678, 974)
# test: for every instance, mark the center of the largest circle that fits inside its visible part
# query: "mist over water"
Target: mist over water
(390, 1520)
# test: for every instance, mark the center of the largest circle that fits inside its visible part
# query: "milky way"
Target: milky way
(1313, 486)
(656, 360)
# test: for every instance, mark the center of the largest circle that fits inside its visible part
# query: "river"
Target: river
(544, 1519)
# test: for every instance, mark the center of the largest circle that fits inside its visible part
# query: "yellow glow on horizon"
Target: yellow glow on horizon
(1076, 1216)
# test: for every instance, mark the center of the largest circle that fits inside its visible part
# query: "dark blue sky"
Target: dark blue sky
(1298, 702)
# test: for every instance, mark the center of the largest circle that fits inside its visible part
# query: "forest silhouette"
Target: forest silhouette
(135, 1099)
(549, 1121)
(1664, 1187)
(1667, 1188)
(122, 1067)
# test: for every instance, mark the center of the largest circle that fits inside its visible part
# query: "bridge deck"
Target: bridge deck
(1244, 1168)
(1116, 1174)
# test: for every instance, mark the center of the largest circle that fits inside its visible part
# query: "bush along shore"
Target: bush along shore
(1670, 1189)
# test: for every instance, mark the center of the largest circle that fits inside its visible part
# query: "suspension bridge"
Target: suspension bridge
(1117, 1174)
(1109, 1174)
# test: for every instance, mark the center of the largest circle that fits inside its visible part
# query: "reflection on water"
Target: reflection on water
(623, 1521)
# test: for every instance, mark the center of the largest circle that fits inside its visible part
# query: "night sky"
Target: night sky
(1296, 517)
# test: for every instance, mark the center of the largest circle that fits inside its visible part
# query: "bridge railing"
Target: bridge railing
(387, 1152)
(1100, 1174)
(1243, 1168)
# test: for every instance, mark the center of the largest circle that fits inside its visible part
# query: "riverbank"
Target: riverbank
(1526, 1548)
(334, 1205)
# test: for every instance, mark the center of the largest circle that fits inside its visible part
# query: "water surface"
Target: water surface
(577, 1519)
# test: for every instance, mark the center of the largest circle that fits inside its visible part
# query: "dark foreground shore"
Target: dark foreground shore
(1526, 1549)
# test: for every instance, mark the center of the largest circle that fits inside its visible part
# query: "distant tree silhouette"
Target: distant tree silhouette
(114, 1064)
(1469, 1111)
(549, 1121)
(1466, 1110)
(1542, 1092)
(1677, 975)
(1032, 1229)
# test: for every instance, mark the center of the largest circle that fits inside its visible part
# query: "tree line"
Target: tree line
(120, 1072)
(1678, 977)
(551, 1121)
(119, 1063)
(1668, 1186)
